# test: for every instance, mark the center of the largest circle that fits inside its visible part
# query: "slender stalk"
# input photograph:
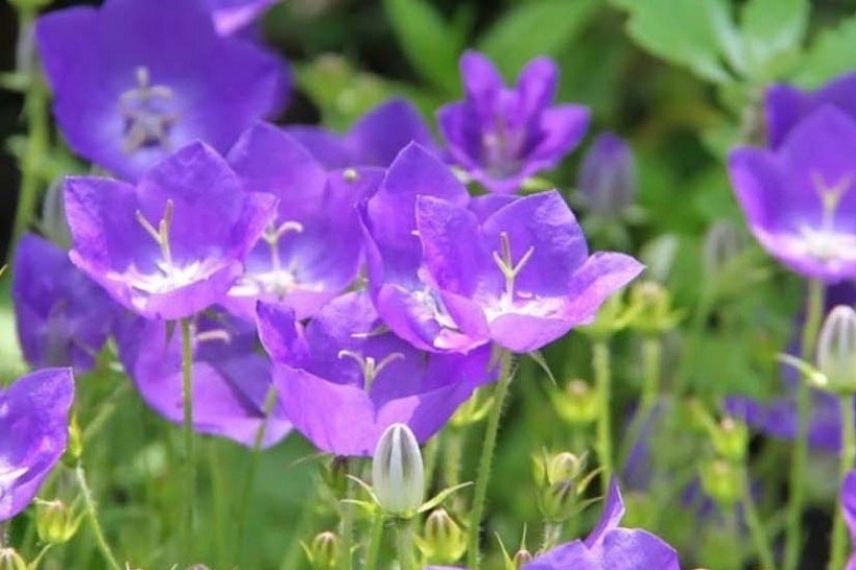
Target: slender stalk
(453, 456)
(373, 553)
(306, 521)
(486, 461)
(404, 546)
(838, 549)
(756, 526)
(347, 525)
(92, 514)
(793, 530)
(651, 362)
(604, 418)
(432, 452)
(219, 493)
(190, 452)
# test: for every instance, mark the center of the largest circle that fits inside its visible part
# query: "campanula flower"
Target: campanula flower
(312, 250)
(173, 244)
(800, 199)
(136, 80)
(501, 136)
(231, 377)
(63, 317)
(344, 378)
(375, 140)
(607, 177)
(232, 15)
(34, 415)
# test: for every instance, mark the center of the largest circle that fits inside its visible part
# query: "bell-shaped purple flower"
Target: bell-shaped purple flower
(231, 16)
(33, 434)
(231, 377)
(138, 79)
(607, 178)
(501, 136)
(786, 106)
(375, 140)
(63, 317)
(848, 506)
(173, 244)
(344, 378)
(800, 199)
(311, 251)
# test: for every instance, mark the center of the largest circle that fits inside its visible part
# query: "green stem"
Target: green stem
(347, 525)
(404, 546)
(486, 461)
(92, 514)
(838, 549)
(756, 526)
(604, 419)
(375, 542)
(454, 455)
(190, 452)
(793, 531)
(432, 452)
(218, 487)
(292, 556)
(651, 362)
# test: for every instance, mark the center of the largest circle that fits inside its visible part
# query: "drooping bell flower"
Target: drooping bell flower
(231, 376)
(34, 415)
(800, 199)
(231, 16)
(173, 244)
(375, 140)
(786, 106)
(136, 80)
(501, 136)
(607, 177)
(848, 506)
(63, 317)
(344, 378)
(311, 251)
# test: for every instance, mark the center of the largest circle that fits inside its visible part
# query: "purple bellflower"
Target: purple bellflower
(456, 274)
(172, 245)
(607, 177)
(33, 434)
(231, 16)
(800, 199)
(501, 136)
(312, 250)
(231, 377)
(375, 140)
(344, 378)
(848, 506)
(63, 317)
(787, 106)
(138, 79)
(608, 547)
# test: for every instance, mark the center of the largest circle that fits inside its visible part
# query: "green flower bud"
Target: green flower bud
(721, 480)
(650, 309)
(564, 466)
(836, 350)
(521, 559)
(398, 474)
(55, 522)
(11, 560)
(611, 318)
(577, 404)
(75, 443)
(444, 540)
(324, 551)
(731, 439)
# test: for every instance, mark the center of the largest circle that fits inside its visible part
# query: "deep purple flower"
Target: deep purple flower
(609, 546)
(63, 317)
(312, 250)
(33, 434)
(848, 506)
(138, 79)
(231, 377)
(501, 136)
(172, 245)
(786, 106)
(375, 140)
(607, 177)
(344, 378)
(799, 199)
(232, 15)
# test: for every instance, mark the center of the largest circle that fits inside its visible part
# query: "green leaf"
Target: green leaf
(771, 29)
(430, 44)
(529, 29)
(831, 54)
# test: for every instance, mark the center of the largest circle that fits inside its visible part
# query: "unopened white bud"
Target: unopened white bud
(836, 349)
(398, 474)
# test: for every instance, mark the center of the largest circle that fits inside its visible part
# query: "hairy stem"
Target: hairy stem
(604, 418)
(92, 515)
(838, 549)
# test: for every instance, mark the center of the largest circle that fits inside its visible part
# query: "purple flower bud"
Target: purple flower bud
(607, 177)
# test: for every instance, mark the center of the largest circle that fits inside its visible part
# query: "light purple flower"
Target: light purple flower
(138, 79)
(232, 15)
(173, 244)
(344, 378)
(312, 250)
(375, 140)
(33, 434)
(800, 199)
(607, 177)
(848, 506)
(231, 377)
(501, 136)
(63, 317)
(786, 106)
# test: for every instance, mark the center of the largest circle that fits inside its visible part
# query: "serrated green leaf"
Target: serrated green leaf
(535, 28)
(831, 54)
(771, 29)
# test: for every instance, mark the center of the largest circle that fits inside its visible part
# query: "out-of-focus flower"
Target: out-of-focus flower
(324, 551)
(63, 317)
(375, 140)
(231, 378)
(311, 251)
(232, 15)
(501, 136)
(173, 244)
(34, 414)
(607, 177)
(136, 80)
(398, 473)
(344, 378)
(799, 199)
